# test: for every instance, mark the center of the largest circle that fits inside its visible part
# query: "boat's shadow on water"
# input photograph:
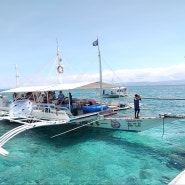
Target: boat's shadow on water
(72, 137)
(86, 134)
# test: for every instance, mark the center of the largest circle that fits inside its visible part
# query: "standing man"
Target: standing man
(137, 98)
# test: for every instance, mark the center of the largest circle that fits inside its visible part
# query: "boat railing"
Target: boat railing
(49, 106)
(76, 108)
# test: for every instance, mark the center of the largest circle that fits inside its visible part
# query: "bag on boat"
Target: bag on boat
(20, 108)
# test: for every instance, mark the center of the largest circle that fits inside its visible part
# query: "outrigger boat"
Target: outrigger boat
(28, 110)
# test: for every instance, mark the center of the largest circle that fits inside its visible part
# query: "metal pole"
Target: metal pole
(100, 71)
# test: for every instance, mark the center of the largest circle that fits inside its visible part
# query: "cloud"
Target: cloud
(173, 72)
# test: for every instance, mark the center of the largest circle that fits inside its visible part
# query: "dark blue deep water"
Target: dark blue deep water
(103, 157)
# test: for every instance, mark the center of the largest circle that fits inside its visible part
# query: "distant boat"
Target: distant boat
(115, 92)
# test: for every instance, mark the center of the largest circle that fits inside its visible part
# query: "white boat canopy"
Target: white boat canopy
(94, 85)
(42, 88)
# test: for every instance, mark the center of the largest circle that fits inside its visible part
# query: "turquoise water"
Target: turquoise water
(92, 156)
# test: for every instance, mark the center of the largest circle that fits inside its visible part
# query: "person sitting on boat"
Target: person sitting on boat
(60, 97)
(49, 96)
(14, 96)
(31, 97)
(45, 98)
(137, 98)
(70, 99)
(40, 98)
(103, 91)
(53, 95)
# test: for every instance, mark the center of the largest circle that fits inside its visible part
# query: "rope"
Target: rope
(163, 98)
(29, 79)
(73, 129)
(153, 98)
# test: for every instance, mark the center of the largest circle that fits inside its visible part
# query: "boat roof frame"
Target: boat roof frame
(77, 86)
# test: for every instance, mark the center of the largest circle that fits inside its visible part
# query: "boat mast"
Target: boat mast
(60, 68)
(96, 43)
(100, 70)
(16, 76)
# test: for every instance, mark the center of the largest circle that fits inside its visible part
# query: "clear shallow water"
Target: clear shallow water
(92, 156)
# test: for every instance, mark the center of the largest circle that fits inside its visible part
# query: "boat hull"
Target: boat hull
(131, 124)
(111, 96)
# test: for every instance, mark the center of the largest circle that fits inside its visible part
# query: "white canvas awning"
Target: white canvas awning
(42, 88)
(94, 85)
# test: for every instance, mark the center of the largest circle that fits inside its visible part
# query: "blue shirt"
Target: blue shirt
(136, 104)
(61, 96)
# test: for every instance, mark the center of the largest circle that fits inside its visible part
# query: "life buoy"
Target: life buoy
(60, 69)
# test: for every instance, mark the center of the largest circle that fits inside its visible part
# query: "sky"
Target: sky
(139, 40)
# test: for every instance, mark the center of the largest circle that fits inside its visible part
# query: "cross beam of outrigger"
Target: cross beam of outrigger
(27, 124)
(73, 129)
(152, 98)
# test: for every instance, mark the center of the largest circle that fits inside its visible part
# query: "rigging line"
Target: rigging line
(79, 72)
(153, 98)
(73, 129)
(77, 68)
(113, 71)
(30, 78)
(45, 65)
(162, 98)
(53, 67)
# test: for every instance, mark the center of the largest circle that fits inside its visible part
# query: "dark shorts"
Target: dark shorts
(137, 110)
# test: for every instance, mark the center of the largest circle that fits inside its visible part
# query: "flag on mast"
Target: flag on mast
(95, 43)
